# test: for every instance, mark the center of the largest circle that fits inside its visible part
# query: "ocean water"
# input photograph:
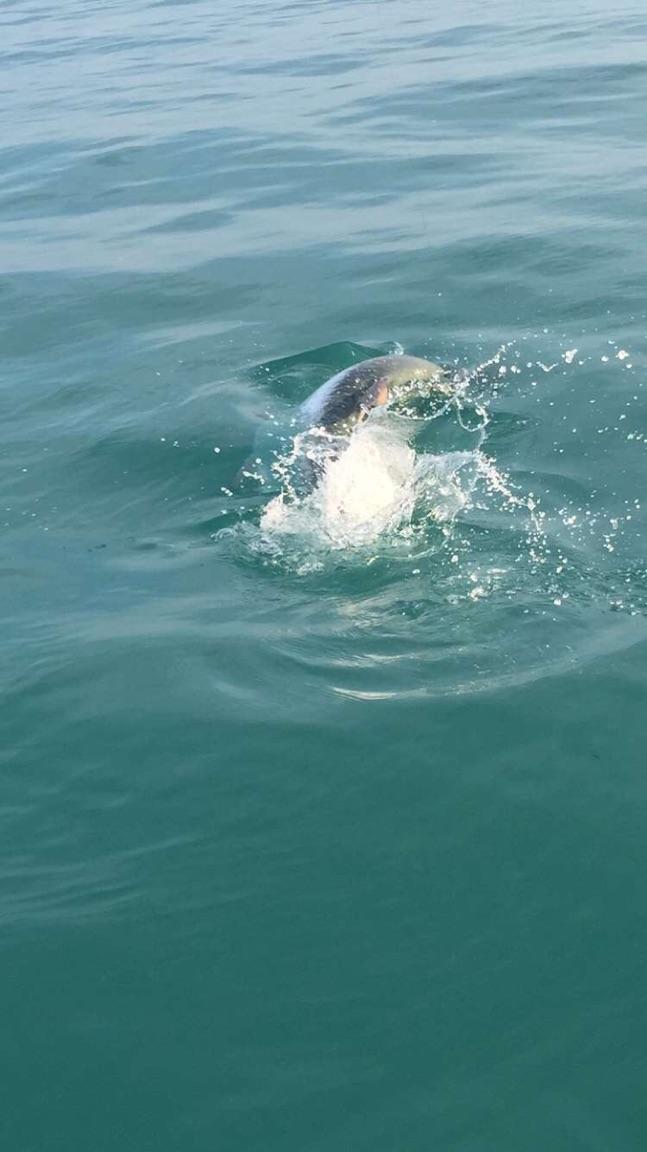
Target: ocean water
(323, 814)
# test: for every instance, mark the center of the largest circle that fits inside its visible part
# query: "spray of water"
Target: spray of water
(376, 491)
(392, 491)
(478, 539)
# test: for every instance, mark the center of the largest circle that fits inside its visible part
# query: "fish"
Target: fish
(320, 427)
(347, 399)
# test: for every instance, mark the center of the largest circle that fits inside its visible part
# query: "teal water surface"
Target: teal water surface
(323, 823)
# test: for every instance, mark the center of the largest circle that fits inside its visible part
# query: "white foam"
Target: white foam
(372, 490)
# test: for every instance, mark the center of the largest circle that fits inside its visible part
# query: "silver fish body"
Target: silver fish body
(348, 398)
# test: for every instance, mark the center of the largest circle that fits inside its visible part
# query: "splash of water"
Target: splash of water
(392, 490)
(376, 488)
(450, 549)
(373, 489)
